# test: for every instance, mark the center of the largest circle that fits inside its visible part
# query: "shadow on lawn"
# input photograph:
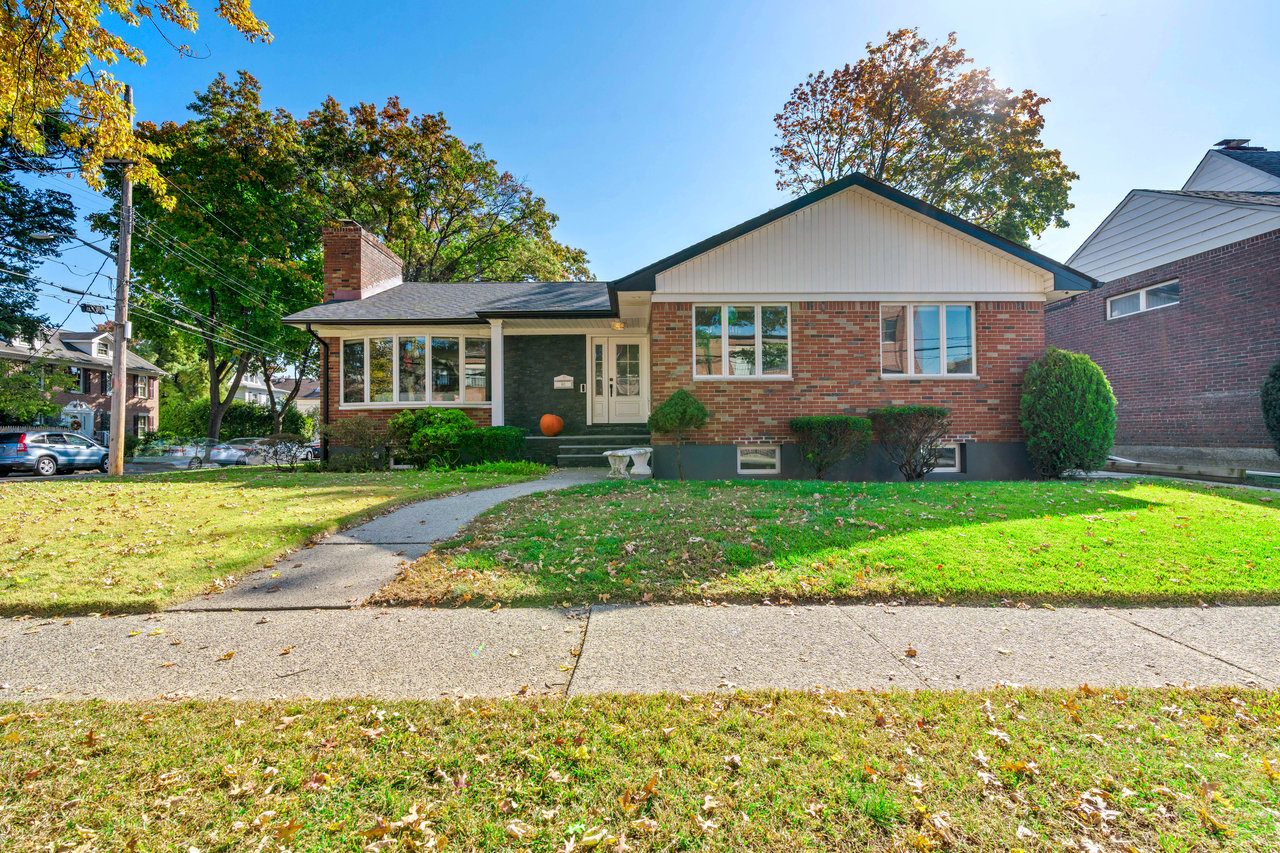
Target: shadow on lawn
(674, 540)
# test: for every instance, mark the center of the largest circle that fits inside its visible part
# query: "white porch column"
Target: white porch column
(496, 413)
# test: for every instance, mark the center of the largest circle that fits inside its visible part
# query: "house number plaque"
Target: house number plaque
(562, 382)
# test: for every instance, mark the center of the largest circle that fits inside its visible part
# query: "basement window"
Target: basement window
(1147, 299)
(758, 459)
(950, 460)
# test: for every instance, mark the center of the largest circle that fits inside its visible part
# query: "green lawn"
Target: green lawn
(138, 543)
(1161, 771)
(1118, 541)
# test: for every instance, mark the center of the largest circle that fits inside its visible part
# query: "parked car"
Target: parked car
(49, 452)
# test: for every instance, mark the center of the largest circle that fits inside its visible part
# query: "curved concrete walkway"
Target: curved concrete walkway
(342, 570)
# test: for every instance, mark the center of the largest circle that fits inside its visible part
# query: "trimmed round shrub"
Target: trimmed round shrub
(429, 436)
(677, 417)
(1068, 413)
(1271, 404)
(491, 444)
(825, 440)
(911, 436)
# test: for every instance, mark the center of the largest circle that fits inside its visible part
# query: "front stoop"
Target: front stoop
(582, 451)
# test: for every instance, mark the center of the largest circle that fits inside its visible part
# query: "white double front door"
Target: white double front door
(619, 380)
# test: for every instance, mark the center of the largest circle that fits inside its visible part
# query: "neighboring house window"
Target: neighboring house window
(741, 340)
(926, 340)
(1147, 299)
(416, 369)
(78, 379)
(141, 424)
(758, 459)
(102, 349)
(106, 381)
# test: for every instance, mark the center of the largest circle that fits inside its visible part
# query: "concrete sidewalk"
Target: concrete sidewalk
(432, 653)
(344, 569)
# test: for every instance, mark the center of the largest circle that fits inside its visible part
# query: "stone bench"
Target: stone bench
(637, 456)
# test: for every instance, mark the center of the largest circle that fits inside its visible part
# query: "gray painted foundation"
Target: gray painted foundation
(1252, 458)
(1004, 460)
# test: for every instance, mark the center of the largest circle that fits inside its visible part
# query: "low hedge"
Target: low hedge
(492, 444)
(825, 440)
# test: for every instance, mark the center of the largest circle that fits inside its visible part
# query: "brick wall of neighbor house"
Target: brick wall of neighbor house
(1187, 375)
(835, 369)
(379, 415)
(96, 397)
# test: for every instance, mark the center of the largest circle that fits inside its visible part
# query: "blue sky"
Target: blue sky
(647, 126)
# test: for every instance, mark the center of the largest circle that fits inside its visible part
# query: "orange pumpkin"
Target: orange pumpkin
(551, 424)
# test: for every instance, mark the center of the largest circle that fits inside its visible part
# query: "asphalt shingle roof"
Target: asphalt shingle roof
(1264, 161)
(416, 301)
(1269, 199)
(56, 349)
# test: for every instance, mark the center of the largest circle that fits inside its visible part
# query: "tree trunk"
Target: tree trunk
(680, 456)
(218, 404)
(271, 394)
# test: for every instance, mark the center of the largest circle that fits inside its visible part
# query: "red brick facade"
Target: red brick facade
(835, 369)
(95, 396)
(1187, 375)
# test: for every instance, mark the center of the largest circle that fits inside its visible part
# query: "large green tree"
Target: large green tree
(917, 116)
(442, 205)
(239, 249)
(24, 212)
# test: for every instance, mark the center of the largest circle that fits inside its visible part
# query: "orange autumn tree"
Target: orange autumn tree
(53, 60)
(917, 116)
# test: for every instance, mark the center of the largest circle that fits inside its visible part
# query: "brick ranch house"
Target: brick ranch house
(86, 402)
(852, 297)
(1187, 323)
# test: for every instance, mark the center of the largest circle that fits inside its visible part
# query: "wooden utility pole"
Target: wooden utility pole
(120, 331)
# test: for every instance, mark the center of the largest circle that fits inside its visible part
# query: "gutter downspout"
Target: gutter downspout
(324, 394)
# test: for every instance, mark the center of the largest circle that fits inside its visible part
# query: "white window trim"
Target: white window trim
(942, 335)
(958, 468)
(777, 459)
(724, 342)
(1142, 299)
(394, 402)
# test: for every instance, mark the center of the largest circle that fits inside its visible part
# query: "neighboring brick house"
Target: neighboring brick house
(1187, 323)
(86, 404)
(852, 297)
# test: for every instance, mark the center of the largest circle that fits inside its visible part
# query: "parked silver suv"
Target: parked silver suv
(48, 452)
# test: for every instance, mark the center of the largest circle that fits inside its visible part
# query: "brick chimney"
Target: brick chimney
(356, 263)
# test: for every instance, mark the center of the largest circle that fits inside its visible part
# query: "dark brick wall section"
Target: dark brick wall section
(835, 366)
(532, 362)
(356, 263)
(1188, 375)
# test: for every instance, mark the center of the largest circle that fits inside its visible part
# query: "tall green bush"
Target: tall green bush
(681, 413)
(1271, 404)
(911, 436)
(355, 444)
(429, 436)
(190, 419)
(825, 440)
(1068, 413)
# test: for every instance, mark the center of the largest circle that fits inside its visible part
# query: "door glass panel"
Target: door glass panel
(893, 339)
(708, 346)
(380, 370)
(927, 339)
(626, 361)
(476, 372)
(353, 371)
(444, 370)
(959, 339)
(599, 363)
(413, 370)
(774, 358)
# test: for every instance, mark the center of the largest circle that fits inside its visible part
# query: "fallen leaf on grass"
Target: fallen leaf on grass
(519, 830)
(286, 831)
(644, 824)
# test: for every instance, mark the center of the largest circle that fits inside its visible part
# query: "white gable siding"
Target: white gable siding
(1148, 229)
(1217, 171)
(855, 245)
